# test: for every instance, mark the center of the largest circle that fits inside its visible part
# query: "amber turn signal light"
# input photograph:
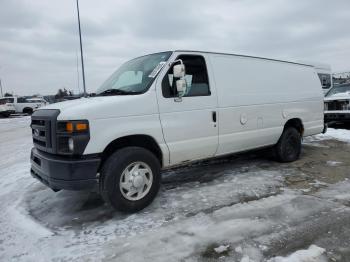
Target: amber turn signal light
(78, 127)
(81, 127)
(69, 127)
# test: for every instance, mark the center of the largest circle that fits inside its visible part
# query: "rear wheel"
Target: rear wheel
(288, 147)
(130, 179)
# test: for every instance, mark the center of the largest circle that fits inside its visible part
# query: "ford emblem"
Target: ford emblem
(36, 132)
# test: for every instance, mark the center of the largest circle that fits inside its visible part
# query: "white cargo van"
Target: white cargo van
(168, 109)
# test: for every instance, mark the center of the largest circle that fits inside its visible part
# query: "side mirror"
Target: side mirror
(179, 71)
(181, 87)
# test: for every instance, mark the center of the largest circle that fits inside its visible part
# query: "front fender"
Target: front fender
(104, 131)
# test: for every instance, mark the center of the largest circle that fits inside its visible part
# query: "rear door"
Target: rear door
(189, 124)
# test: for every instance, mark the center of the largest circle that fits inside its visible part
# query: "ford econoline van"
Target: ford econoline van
(172, 108)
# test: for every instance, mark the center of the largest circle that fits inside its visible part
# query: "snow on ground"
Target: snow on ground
(339, 134)
(233, 210)
(313, 254)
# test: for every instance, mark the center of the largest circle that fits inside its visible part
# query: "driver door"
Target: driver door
(189, 124)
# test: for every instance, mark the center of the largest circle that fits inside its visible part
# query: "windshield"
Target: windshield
(135, 76)
(339, 89)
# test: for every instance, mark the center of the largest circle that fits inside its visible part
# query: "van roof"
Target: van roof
(317, 65)
(257, 57)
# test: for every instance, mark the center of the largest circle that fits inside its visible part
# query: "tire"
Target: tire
(288, 147)
(28, 111)
(114, 176)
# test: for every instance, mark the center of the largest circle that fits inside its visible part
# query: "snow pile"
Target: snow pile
(313, 254)
(221, 249)
(246, 259)
(339, 134)
(333, 163)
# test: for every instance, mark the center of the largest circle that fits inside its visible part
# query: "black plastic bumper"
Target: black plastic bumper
(8, 112)
(336, 117)
(64, 173)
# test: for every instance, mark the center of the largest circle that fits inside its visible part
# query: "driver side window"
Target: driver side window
(196, 78)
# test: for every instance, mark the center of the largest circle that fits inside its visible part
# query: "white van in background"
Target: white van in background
(172, 108)
(324, 72)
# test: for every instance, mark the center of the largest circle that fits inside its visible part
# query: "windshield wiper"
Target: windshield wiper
(112, 92)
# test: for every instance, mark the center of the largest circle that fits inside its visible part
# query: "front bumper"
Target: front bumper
(59, 172)
(334, 116)
(8, 112)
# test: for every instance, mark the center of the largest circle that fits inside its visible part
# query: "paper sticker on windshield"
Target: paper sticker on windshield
(157, 69)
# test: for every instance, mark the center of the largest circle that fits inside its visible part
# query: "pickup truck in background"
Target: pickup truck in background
(6, 107)
(337, 104)
(26, 105)
(39, 100)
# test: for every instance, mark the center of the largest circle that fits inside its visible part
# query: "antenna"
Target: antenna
(81, 52)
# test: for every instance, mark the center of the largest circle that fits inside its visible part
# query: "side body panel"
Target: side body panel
(257, 96)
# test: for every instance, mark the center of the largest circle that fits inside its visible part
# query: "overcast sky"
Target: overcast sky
(39, 40)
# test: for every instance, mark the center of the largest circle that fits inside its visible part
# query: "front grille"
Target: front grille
(336, 105)
(43, 129)
(41, 133)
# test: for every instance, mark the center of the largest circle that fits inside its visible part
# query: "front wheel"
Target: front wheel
(130, 179)
(28, 111)
(288, 147)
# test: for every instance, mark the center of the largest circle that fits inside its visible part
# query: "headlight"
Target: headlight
(325, 106)
(71, 144)
(72, 137)
(346, 106)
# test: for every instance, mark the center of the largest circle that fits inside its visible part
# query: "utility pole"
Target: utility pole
(81, 51)
(78, 82)
(2, 95)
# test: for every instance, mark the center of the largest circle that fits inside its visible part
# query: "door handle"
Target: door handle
(213, 115)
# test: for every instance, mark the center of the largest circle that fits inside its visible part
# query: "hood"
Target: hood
(345, 95)
(106, 107)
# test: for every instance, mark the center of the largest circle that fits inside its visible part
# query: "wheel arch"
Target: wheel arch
(297, 123)
(27, 109)
(144, 141)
